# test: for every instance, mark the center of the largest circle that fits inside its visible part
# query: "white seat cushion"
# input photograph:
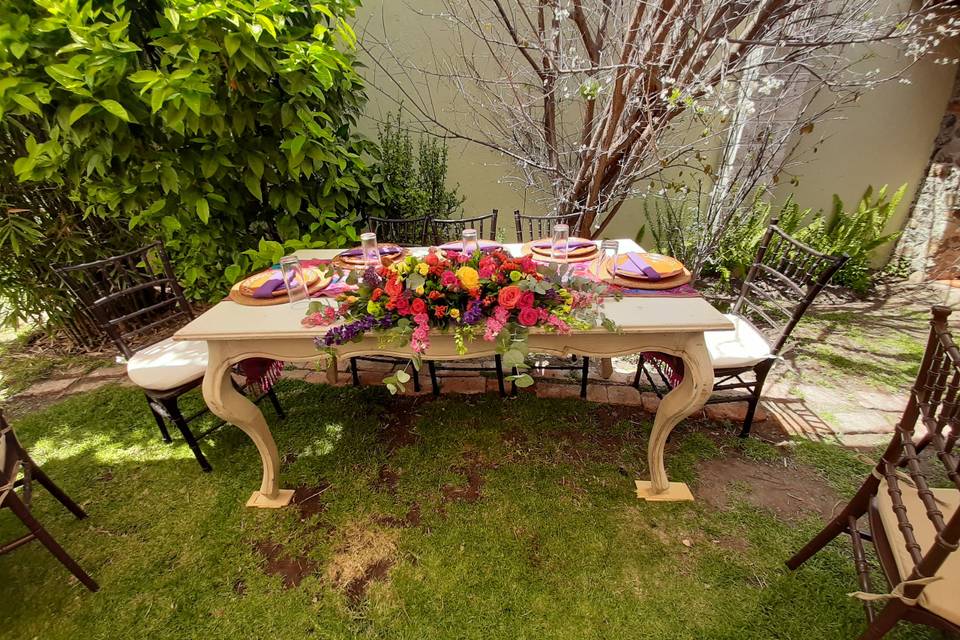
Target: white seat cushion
(168, 364)
(744, 346)
(940, 597)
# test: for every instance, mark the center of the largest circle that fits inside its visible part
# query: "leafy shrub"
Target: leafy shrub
(216, 126)
(413, 185)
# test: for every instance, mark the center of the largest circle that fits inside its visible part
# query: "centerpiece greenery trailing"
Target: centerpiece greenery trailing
(216, 126)
(493, 296)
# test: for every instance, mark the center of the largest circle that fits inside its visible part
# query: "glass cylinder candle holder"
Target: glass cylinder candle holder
(560, 243)
(470, 244)
(609, 250)
(369, 249)
(296, 284)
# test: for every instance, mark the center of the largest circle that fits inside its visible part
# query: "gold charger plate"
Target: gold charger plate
(666, 266)
(237, 296)
(579, 252)
(635, 283)
(252, 283)
(356, 262)
(589, 254)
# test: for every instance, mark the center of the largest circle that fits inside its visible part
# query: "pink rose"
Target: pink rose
(528, 316)
(526, 300)
(449, 279)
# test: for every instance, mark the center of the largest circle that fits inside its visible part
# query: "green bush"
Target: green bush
(413, 184)
(217, 126)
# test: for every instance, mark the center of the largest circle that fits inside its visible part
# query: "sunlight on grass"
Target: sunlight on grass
(488, 518)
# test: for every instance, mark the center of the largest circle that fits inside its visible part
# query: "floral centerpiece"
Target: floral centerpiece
(493, 296)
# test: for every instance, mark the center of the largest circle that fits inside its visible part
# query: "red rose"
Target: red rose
(394, 287)
(432, 259)
(509, 296)
(526, 300)
(403, 306)
(376, 294)
(418, 305)
(528, 316)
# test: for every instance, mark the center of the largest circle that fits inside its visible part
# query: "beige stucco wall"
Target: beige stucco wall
(885, 138)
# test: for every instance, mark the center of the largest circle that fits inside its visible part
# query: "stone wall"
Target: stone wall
(930, 242)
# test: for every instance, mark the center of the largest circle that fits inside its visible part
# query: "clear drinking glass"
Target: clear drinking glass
(292, 271)
(560, 244)
(470, 244)
(608, 255)
(369, 249)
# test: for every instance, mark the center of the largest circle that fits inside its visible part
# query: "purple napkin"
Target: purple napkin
(267, 288)
(639, 265)
(576, 244)
(384, 251)
(485, 245)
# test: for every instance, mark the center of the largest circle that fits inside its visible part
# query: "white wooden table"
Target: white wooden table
(234, 332)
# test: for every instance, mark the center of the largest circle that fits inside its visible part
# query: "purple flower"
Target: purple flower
(473, 314)
(371, 279)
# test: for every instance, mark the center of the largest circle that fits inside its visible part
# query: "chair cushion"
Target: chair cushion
(168, 364)
(744, 346)
(938, 597)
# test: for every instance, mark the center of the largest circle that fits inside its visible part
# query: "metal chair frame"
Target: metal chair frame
(406, 232)
(16, 460)
(783, 268)
(129, 295)
(934, 402)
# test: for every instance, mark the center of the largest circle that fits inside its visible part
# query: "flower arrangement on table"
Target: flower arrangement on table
(493, 296)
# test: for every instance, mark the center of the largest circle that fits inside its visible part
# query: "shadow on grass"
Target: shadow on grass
(552, 543)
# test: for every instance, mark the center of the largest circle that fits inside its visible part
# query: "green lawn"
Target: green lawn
(461, 517)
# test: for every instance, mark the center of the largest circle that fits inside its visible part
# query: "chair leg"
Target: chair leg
(177, 417)
(432, 368)
(161, 424)
(856, 508)
(636, 378)
(498, 365)
(584, 374)
(21, 511)
(888, 618)
(354, 373)
(416, 379)
(57, 492)
(760, 371)
(275, 401)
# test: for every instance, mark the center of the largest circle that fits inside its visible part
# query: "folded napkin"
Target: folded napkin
(384, 251)
(273, 284)
(575, 244)
(485, 245)
(635, 263)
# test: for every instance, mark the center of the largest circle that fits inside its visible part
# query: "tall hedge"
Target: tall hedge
(223, 127)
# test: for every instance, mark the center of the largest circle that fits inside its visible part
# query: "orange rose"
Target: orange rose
(509, 296)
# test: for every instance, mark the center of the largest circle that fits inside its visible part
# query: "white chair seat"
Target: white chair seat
(167, 364)
(940, 597)
(744, 346)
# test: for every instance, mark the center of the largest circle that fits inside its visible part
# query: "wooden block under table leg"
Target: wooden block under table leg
(676, 492)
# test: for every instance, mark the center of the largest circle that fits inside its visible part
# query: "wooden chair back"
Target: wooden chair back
(934, 405)
(536, 227)
(406, 232)
(449, 230)
(130, 296)
(783, 281)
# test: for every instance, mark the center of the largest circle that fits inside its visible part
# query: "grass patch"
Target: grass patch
(526, 526)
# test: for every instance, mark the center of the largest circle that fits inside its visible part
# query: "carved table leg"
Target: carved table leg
(689, 396)
(606, 368)
(224, 400)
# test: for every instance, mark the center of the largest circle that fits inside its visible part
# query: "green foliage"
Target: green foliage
(216, 126)
(856, 233)
(414, 184)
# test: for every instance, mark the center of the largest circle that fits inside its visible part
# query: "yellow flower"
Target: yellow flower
(455, 314)
(423, 268)
(419, 291)
(401, 268)
(469, 277)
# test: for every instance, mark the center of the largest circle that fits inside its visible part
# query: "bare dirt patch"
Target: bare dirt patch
(387, 480)
(293, 569)
(309, 500)
(397, 423)
(790, 492)
(410, 519)
(610, 415)
(472, 469)
(365, 555)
